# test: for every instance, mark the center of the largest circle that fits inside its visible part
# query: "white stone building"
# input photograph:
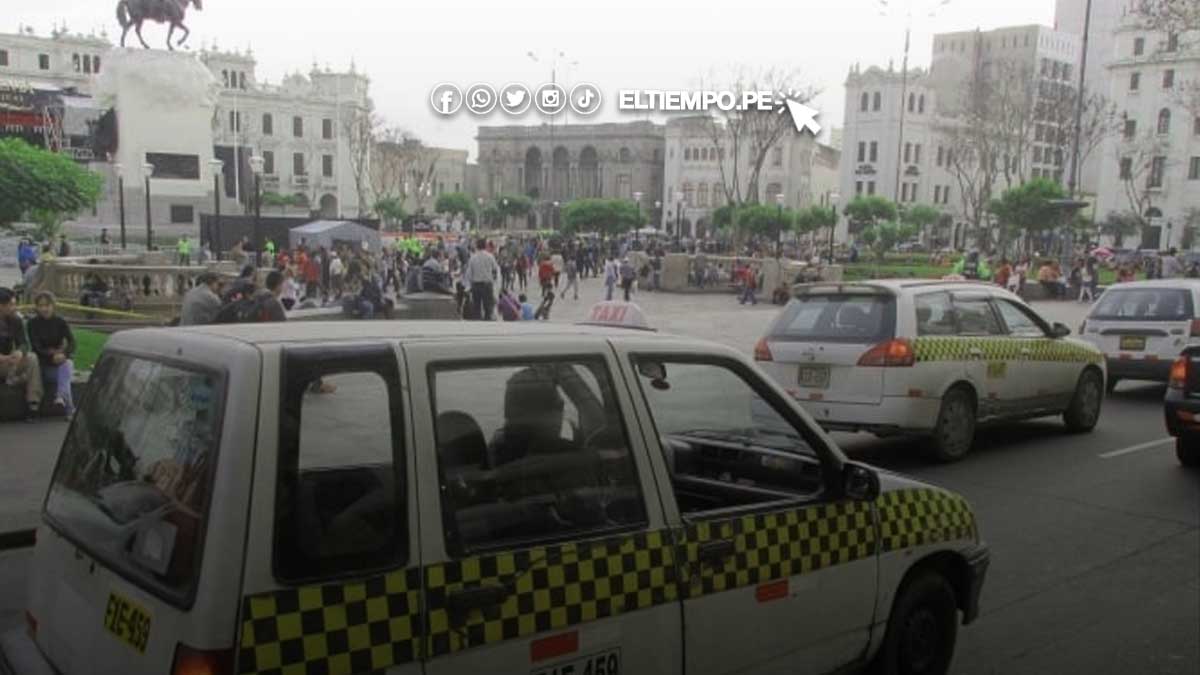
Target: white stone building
(1153, 165)
(699, 170)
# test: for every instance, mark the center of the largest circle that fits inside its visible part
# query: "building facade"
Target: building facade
(555, 164)
(1152, 166)
(700, 173)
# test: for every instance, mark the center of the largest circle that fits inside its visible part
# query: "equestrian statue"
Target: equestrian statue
(131, 14)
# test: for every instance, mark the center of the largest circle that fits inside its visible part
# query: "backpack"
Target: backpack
(246, 309)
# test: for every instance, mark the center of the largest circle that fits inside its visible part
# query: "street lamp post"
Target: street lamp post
(256, 167)
(678, 219)
(779, 227)
(1087, 22)
(504, 208)
(637, 199)
(147, 171)
(215, 235)
(121, 200)
(833, 203)
(554, 216)
(479, 213)
(657, 214)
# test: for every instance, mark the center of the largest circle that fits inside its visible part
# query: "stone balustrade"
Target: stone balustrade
(149, 285)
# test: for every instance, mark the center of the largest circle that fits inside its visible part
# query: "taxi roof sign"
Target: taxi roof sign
(617, 314)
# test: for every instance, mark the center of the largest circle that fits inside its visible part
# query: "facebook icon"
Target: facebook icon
(446, 99)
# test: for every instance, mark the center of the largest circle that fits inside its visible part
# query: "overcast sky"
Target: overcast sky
(408, 47)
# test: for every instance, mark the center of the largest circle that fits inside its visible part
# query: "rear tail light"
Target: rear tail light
(762, 352)
(1179, 373)
(190, 661)
(891, 354)
(1195, 327)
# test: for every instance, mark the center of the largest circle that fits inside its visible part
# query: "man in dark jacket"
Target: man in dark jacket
(18, 364)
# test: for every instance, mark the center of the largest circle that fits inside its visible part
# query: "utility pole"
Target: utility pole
(1079, 103)
(903, 103)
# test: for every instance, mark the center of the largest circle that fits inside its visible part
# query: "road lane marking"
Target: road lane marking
(1135, 448)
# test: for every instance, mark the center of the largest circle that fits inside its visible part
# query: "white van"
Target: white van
(474, 497)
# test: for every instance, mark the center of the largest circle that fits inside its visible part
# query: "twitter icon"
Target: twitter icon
(515, 98)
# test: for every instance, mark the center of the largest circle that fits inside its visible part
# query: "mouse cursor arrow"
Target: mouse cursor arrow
(803, 116)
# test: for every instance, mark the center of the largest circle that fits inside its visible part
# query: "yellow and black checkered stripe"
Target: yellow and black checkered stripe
(550, 587)
(919, 516)
(778, 545)
(350, 627)
(1002, 349)
(366, 626)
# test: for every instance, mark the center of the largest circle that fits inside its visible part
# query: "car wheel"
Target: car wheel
(1111, 384)
(921, 631)
(955, 431)
(1084, 411)
(1187, 449)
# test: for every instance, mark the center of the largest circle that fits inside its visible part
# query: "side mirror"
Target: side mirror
(1059, 330)
(859, 483)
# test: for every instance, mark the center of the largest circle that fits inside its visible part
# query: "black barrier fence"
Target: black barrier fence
(276, 228)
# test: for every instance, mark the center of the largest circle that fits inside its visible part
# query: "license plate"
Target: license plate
(607, 662)
(127, 621)
(1133, 343)
(814, 377)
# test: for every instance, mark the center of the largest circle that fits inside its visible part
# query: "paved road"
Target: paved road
(1096, 559)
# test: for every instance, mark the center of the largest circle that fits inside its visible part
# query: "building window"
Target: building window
(1036, 173)
(298, 163)
(1037, 153)
(687, 154)
(1158, 167)
(235, 121)
(864, 101)
(1066, 72)
(298, 127)
(937, 194)
(1194, 169)
(917, 153)
(904, 192)
(870, 187)
(95, 64)
(907, 152)
(777, 157)
(1168, 78)
(327, 166)
(182, 213)
(1126, 168)
(76, 63)
(1173, 42)
(702, 195)
(1164, 121)
(268, 162)
(327, 128)
(862, 151)
(877, 102)
(1139, 46)
(43, 62)
(858, 188)
(1196, 126)
(940, 155)
(242, 80)
(1130, 128)
(225, 78)
(874, 151)
(268, 124)
(1135, 81)
(912, 103)
(4, 61)
(921, 104)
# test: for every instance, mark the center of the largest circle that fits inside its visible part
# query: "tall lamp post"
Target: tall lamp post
(479, 213)
(147, 171)
(657, 214)
(215, 236)
(833, 203)
(554, 215)
(256, 167)
(779, 227)
(504, 208)
(678, 219)
(637, 199)
(121, 199)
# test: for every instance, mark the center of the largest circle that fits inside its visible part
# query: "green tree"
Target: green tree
(42, 186)
(1028, 207)
(921, 216)
(512, 206)
(606, 216)
(1120, 225)
(814, 218)
(883, 237)
(867, 210)
(391, 210)
(454, 204)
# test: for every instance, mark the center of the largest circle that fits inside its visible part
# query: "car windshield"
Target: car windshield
(1144, 304)
(840, 317)
(133, 480)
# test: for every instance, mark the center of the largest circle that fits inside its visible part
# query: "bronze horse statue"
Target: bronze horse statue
(131, 14)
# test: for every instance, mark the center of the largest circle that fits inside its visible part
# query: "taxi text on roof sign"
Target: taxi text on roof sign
(618, 314)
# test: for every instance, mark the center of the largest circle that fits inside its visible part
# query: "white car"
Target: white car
(928, 357)
(475, 498)
(1143, 326)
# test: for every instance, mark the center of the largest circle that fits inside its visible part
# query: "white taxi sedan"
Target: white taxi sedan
(928, 357)
(475, 498)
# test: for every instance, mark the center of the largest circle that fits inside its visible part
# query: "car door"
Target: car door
(1036, 380)
(777, 573)
(984, 352)
(332, 576)
(547, 549)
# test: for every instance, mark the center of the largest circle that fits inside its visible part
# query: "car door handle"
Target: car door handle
(714, 552)
(463, 600)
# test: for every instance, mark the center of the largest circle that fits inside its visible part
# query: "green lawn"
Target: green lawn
(88, 344)
(861, 271)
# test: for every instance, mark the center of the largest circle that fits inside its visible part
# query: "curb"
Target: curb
(17, 539)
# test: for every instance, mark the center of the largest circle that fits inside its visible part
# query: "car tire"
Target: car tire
(1187, 450)
(921, 630)
(955, 431)
(1111, 384)
(1084, 410)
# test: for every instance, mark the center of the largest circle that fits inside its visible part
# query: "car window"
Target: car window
(132, 484)
(340, 497)
(725, 444)
(1018, 320)
(852, 318)
(975, 317)
(1144, 304)
(532, 451)
(935, 314)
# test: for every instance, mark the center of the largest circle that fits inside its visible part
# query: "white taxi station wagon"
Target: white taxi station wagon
(475, 497)
(928, 357)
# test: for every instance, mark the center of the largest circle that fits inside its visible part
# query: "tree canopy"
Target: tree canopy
(883, 237)
(920, 215)
(391, 210)
(454, 204)
(867, 210)
(814, 218)
(40, 185)
(1029, 206)
(606, 216)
